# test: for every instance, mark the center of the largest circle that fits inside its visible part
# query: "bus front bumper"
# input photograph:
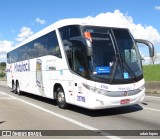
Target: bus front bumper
(98, 101)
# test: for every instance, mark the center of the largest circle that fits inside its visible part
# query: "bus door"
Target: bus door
(78, 66)
(39, 77)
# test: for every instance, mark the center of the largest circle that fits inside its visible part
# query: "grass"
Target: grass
(151, 72)
(2, 74)
(2, 67)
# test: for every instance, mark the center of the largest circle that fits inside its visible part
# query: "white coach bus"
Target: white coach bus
(80, 63)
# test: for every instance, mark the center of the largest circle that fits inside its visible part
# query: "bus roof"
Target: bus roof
(58, 24)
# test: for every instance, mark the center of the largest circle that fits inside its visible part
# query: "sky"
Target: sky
(20, 19)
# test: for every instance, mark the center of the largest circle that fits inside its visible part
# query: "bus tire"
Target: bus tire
(13, 87)
(18, 91)
(61, 101)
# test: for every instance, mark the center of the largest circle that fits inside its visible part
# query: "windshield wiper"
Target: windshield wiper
(130, 71)
(113, 72)
(122, 64)
(117, 61)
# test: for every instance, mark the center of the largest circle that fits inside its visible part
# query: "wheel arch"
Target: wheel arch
(59, 95)
(56, 86)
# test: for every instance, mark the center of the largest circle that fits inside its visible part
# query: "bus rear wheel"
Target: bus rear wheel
(18, 91)
(61, 101)
(13, 86)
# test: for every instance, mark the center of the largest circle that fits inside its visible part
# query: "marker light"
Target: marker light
(88, 36)
(96, 90)
(114, 93)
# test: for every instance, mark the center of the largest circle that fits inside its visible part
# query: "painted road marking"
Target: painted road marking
(4, 96)
(147, 108)
(151, 109)
(153, 97)
(105, 134)
(2, 93)
(7, 98)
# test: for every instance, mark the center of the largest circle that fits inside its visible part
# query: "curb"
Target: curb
(152, 87)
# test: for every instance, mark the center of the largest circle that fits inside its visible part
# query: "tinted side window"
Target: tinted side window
(22, 53)
(29, 48)
(79, 61)
(68, 32)
(39, 47)
(45, 45)
(52, 45)
(12, 57)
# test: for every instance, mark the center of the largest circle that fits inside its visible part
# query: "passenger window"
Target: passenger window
(69, 32)
(42, 46)
(79, 61)
(52, 45)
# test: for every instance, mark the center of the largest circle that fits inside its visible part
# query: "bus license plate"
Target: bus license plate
(125, 101)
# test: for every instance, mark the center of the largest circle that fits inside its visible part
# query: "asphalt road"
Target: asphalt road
(29, 112)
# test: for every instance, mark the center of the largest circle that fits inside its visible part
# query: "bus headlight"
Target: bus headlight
(96, 90)
(141, 88)
(114, 93)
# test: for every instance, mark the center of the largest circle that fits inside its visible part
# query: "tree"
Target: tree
(3, 63)
(155, 57)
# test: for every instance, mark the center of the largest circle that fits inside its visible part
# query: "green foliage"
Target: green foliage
(2, 65)
(2, 74)
(2, 69)
(151, 72)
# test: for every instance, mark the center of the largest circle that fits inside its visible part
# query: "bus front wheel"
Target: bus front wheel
(61, 101)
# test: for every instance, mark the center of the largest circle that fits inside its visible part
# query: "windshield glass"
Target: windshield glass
(129, 53)
(115, 56)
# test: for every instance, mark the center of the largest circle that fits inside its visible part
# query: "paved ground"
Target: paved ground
(29, 112)
(3, 83)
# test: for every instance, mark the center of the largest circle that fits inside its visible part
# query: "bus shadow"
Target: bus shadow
(91, 113)
(39, 98)
(106, 112)
(2, 122)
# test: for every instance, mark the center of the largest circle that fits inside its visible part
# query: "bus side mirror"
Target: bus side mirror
(86, 42)
(149, 44)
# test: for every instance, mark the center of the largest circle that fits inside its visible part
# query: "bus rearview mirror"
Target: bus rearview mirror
(149, 44)
(84, 41)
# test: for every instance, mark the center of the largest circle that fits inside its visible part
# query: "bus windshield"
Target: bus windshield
(115, 55)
